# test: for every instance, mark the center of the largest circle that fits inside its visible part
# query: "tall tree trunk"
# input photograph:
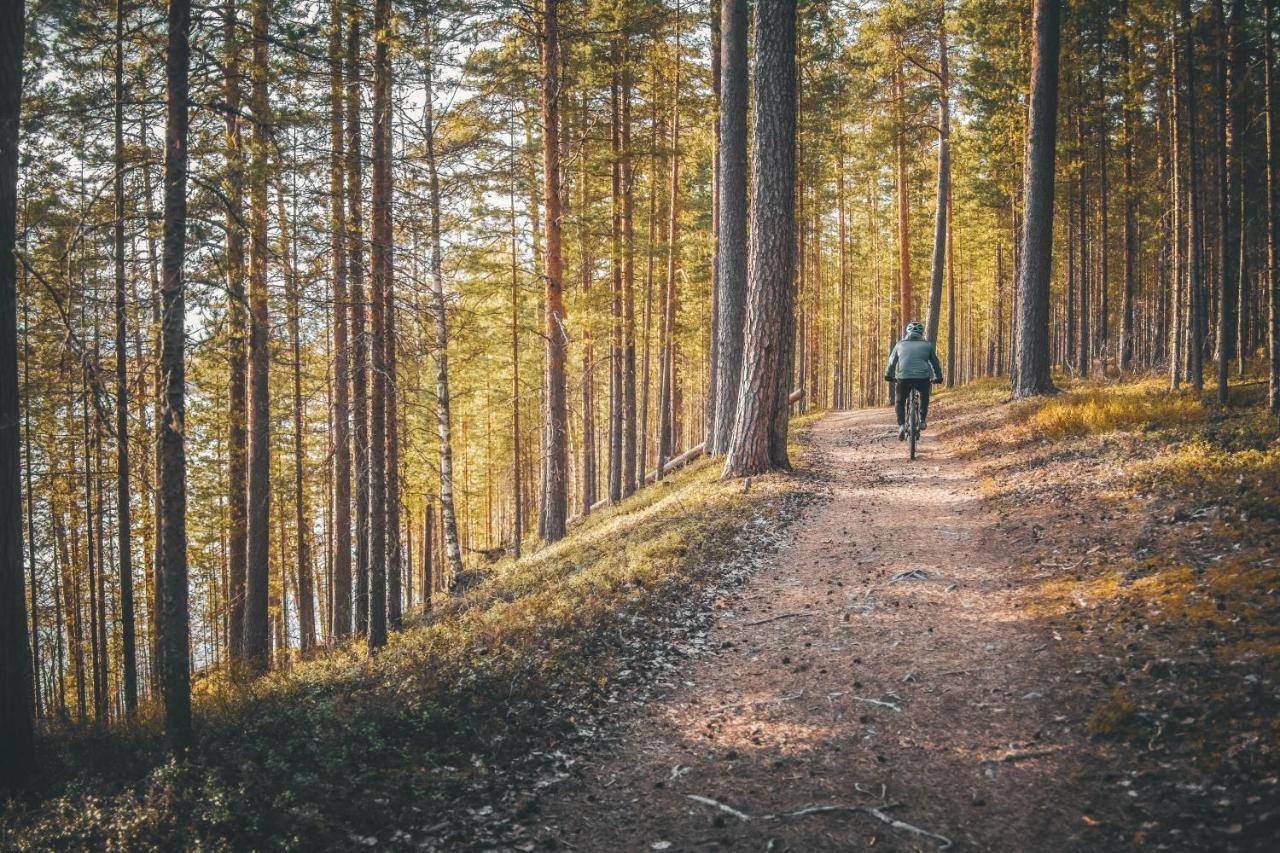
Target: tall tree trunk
(1228, 236)
(257, 650)
(630, 434)
(588, 469)
(340, 616)
(301, 514)
(903, 197)
(517, 503)
(1195, 330)
(1103, 338)
(1032, 342)
(942, 220)
(666, 377)
(444, 433)
(237, 331)
(171, 451)
(359, 306)
(555, 496)
(1176, 327)
(380, 247)
(731, 252)
(1130, 201)
(123, 521)
(753, 447)
(17, 744)
(1273, 216)
(615, 314)
(713, 344)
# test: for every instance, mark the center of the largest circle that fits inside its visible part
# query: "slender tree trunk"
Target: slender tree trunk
(1273, 216)
(1195, 331)
(630, 435)
(171, 451)
(713, 344)
(1032, 342)
(667, 379)
(359, 306)
(340, 594)
(17, 744)
(258, 577)
(904, 203)
(1086, 351)
(731, 252)
(1228, 236)
(237, 331)
(588, 469)
(517, 504)
(123, 522)
(1130, 201)
(942, 218)
(753, 447)
(648, 283)
(555, 496)
(379, 267)
(444, 433)
(615, 333)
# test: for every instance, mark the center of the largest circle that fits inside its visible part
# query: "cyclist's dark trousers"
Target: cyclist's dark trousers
(904, 390)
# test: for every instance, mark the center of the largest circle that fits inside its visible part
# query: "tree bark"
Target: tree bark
(123, 521)
(379, 267)
(731, 252)
(555, 474)
(1273, 216)
(1032, 341)
(754, 446)
(237, 332)
(17, 743)
(444, 431)
(171, 450)
(359, 307)
(257, 578)
(942, 218)
(340, 616)
(666, 376)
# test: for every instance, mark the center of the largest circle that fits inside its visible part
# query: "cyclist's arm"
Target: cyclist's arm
(889, 371)
(936, 365)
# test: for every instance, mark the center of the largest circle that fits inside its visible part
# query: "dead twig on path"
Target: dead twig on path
(910, 575)
(727, 809)
(776, 618)
(888, 705)
(777, 700)
(877, 813)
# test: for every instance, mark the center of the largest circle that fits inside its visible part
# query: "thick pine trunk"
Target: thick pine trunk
(257, 577)
(731, 252)
(1032, 343)
(755, 445)
(17, 748)
(171, 450)
(1195, 299)
(555, 473)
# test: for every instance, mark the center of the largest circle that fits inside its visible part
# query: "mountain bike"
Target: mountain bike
(913, 419)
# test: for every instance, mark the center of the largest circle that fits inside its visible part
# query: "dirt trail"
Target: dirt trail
(881, 662)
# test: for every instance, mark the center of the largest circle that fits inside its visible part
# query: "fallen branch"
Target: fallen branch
(727, 809)
(888, 705)
(775, 701)
(1022, 755)
(776, 618)
(911, 575)
(943, 842)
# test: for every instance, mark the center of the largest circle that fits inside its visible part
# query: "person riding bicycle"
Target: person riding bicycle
(913, 364)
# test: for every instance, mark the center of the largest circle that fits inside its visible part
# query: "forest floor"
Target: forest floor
(1059, 628)
(1023, 639)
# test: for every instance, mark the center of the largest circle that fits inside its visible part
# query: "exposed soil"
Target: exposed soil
(885, 663)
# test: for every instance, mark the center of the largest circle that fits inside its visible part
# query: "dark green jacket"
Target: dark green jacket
(913, 358)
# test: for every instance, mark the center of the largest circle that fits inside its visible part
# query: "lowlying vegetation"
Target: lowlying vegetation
(491, 678)
(1172, 607)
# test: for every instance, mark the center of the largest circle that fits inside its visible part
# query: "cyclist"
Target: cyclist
(913, 364)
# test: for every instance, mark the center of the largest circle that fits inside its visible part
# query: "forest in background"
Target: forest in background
(455, 274)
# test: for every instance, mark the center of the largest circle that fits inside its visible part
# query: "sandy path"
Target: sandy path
(881, 662)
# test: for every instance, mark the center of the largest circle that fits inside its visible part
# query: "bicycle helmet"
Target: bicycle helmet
(916, 327)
